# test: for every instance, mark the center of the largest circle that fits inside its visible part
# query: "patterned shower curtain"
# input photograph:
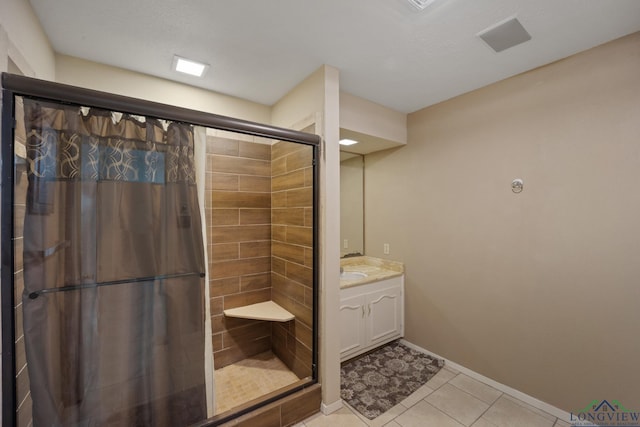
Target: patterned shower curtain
(113, 303)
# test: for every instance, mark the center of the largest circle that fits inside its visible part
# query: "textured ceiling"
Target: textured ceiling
(386, 51)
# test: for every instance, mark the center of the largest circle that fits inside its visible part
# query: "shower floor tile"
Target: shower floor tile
(249, 379)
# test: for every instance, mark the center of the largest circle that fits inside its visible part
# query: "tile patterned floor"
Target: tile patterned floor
(449, 399)
(250, 378)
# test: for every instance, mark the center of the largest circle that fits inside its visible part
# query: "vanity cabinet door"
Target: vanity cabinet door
(371, 315)
(384, 315)
(352, 333)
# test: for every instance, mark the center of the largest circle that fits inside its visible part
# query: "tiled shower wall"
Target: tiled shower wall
(292, 253)
(238, 217)
(259, 214)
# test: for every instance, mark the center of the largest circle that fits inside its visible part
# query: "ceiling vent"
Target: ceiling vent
(505, 34)
(421, 4)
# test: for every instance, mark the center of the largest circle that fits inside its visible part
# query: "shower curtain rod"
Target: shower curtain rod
(36, 294)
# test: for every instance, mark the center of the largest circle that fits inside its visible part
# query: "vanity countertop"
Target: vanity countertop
(376, 269)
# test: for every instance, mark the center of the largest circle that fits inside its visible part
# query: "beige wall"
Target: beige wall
(24, 41)
(536, 290)
(367, 117)
(88, 74)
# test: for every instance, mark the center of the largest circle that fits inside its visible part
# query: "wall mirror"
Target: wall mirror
(351, 204)
(352, 182)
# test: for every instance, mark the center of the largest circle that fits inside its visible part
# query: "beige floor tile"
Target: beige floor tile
(506, 413)
(442, 377)
(482, 423)
(531, 408)
(249, 379)
(424, 415)
(387, 417)
(341, 418)
(560, 423)
(476, 388)
(392, 424)
(457, 404)
(417, 396)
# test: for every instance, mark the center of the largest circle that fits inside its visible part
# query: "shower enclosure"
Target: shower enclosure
(159, 265)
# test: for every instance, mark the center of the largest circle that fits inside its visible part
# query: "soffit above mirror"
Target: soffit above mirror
(366, 143)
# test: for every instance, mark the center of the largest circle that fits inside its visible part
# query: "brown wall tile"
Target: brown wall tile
(254, 183)
(224, 251)
(288, 181)
(308, 217)
(216, 305)
(300, 159)
(224, 182)
(283, 148)
(254, 150)
(300, 236)
(302, 406)
(255, 216)
(255, 282)
(222, 287)
(288, 252)
(231, 355)
(246, 298)
(217, 342)
(255, 249)
(244, 335)
(278, 265)
(288, 216)
(279, 166)
(308, 177)
(287, 287)
(225, 217)
(241, 233)
(262, 418)
(234, 199)
(241, 166)
(241, 267)
(279, 199)
(304, 334)
(300, 274)
(300, 197)
(279, 233)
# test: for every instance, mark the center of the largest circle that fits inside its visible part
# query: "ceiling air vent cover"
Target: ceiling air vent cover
(421, 4)
(505, 34)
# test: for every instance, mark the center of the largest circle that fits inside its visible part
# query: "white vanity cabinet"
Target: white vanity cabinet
(371, 314)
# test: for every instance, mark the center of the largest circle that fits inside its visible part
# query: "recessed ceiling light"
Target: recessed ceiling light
(189, 66)
(347, 142)
(421, 4)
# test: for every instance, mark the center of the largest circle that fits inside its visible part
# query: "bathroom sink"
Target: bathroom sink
(352, 275)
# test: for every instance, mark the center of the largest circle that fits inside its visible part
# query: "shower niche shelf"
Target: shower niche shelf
(267, 310)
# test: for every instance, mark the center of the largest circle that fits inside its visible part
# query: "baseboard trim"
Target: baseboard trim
(331, 407)
(536, 403)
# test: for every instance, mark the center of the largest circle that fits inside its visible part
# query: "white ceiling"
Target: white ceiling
(386, 51)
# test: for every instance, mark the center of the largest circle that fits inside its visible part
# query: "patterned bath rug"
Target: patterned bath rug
(374, 383)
